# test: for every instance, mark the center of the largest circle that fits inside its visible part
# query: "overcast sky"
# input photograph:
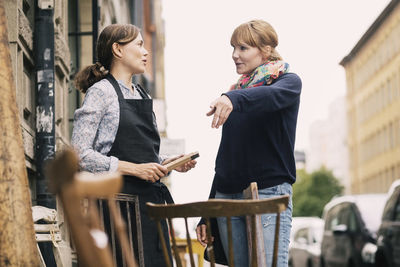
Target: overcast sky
(314, 36)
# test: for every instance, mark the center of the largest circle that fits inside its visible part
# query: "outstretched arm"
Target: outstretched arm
(279, 95)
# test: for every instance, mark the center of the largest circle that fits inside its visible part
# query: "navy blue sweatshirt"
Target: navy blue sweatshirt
(257, 143)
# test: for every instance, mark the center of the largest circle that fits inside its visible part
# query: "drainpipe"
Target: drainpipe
(95, 26)
(45, 109)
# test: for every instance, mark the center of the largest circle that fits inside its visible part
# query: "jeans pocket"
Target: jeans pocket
(268, 192)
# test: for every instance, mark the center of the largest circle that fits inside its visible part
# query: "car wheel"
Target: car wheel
(309, 263)
(290, 263)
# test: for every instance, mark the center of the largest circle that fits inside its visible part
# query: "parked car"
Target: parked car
(350, 231)
(305, 241)
(388, 242)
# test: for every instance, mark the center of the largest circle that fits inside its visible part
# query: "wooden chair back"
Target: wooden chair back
(255, 233)
(74, 188)
(211, 209)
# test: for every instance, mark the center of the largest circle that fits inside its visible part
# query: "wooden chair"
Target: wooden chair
(217, 208)
(256, 233)
(74, 188)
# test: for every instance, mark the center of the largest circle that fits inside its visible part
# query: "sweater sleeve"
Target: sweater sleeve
(279, 95)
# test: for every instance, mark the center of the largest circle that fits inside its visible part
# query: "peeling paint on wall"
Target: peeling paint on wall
(44, 120)
(45, 75)
(47, 54)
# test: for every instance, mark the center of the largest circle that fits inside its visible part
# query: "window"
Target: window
(389, 92)
(353, 225)
(29, 93)
(28, 7)
(391, 136)
(397, 211)
(398, 171)
(390, 206)
(301, 236)
(335, 217)
(394, 87)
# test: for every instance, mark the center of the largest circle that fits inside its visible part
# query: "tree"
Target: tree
(312, 191)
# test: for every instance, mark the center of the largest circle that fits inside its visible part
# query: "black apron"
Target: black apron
(138, 141)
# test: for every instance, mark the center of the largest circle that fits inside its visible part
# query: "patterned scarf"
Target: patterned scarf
(263, 74)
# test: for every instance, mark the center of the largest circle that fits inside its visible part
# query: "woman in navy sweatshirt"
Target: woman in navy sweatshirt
(259, 116)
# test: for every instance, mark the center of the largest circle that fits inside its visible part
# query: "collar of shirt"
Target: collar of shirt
(126, 91)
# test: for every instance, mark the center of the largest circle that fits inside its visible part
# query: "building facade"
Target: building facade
(328, 146)
(77, 24)
(373, 104)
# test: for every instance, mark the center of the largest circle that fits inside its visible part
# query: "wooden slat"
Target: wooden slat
(253, 242)
(139, 232)
(174, 246)
(276, 240)
(121, 234)
(189, 242)
(48, 238)
(210, 247)
(219, 208)
(163, 245)
(128, 215)
(252, 193)
(98, 185)
(113, 240)
(45, 228)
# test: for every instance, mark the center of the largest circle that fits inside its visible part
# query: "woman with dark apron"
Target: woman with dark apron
(115, 129)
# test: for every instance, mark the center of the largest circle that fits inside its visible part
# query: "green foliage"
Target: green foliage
(312, 191)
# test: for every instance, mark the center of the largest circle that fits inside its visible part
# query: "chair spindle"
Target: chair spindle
(276, 240)
(230, 241)
(121, 232)
(253, 242)
(128, 213)
(164, 245)
(174, 246)
(210, 247)
(189, 242)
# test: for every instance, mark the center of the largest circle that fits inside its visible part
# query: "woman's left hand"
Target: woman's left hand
(183, 168)
(221, 108)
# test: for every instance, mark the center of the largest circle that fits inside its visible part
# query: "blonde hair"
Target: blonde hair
(257, 33)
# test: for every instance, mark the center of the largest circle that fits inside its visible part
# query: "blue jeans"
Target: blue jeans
(240, 252)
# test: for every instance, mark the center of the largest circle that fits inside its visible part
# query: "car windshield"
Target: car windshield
(371, 208)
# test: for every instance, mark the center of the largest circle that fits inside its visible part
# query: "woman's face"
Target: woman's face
(246, 58)
(134, 55)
